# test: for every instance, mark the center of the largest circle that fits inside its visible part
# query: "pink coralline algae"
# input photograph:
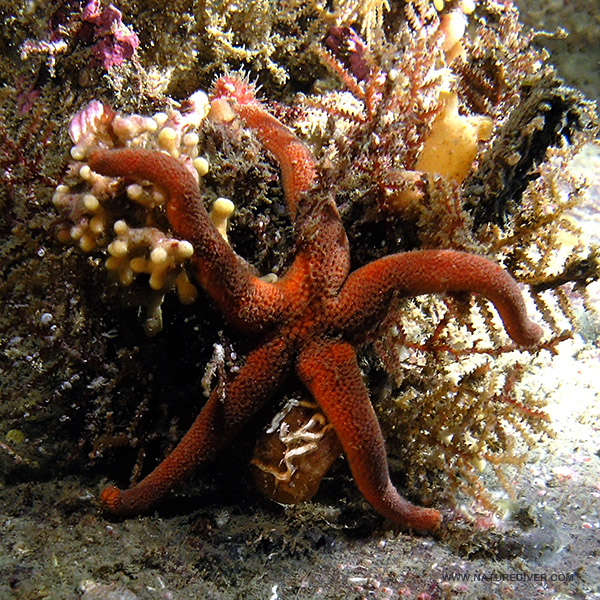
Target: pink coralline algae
(98, 27)
(115, 41)
(350, 49)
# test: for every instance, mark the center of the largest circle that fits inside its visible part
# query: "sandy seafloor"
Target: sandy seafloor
(212, 542)
(55, 543)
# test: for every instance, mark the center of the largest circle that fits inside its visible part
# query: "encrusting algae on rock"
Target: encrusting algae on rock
(385, 112)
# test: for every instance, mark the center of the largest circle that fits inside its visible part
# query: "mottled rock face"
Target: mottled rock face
(369, 122)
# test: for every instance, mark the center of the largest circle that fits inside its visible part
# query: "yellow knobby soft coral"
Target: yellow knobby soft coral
(93, 215)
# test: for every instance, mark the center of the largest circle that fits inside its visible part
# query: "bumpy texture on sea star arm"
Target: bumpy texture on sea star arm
(295, 159)
(369, 290)
(323, 248)
(331, 373)
(247, 301)
(220, 419)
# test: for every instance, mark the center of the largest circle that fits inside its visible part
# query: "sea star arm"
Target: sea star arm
(220, 419)
(331, 373)
(248, 302)
(369, 290)
(323, 250)
(298, 170)
(295, 159)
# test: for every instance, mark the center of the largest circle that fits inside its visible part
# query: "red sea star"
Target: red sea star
(306, 319)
